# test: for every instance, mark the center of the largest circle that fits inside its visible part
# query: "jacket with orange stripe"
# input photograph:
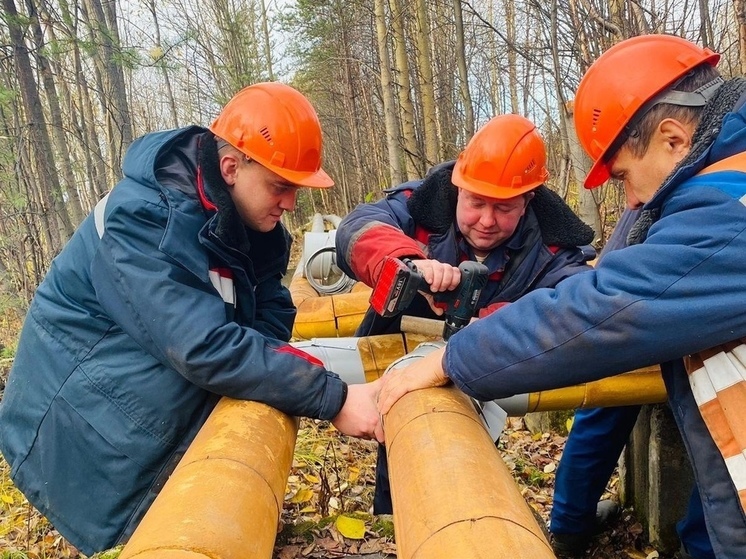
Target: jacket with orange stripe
(678, 289)
(157, 307)
(417, 219)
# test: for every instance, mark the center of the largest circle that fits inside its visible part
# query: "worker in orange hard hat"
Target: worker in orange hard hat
(599, 435)
(491, 206)
(654, 114)
(168, 297)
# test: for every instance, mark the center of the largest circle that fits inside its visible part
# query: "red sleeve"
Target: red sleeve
(373, 245)
(489, 309)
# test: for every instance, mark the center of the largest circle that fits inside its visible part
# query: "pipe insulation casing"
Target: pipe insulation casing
(225, 497)
(453, 496)
(360, 360)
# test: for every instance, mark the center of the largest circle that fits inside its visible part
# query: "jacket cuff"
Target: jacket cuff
(370, 249)
(335, 397)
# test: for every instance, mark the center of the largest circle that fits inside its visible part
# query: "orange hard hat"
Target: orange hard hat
(275, 125)
(619, 83)
(504, 159)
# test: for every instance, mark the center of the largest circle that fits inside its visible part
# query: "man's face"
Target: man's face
(486, 222)
(260, 195)
(643, 176)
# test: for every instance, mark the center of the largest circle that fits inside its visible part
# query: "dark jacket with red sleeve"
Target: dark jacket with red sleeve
(417, 219)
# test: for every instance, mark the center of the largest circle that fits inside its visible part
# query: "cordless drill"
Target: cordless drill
(400, 281)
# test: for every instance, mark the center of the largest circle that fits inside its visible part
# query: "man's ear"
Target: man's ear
(228, 167)
(677, 135)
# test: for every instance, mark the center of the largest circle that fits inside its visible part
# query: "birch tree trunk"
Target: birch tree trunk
(463, 72)
(512, 55)
(389, 103)
(425, 67)
(266, 42)
(739, 6)
(103, 25)
(412, 161)
(588, 200)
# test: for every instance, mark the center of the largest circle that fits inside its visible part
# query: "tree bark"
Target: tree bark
(391, 121)
(103, 25)
(512, 55)
(739, 6)
(413, 167)
(425, 67)
(55, 114)
(59, 226)
(463, 72)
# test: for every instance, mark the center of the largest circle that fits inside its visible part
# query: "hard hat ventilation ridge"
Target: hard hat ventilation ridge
(266, 135)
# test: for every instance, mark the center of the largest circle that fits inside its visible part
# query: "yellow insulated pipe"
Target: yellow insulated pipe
(328, 316)
(452, 494)
(224, 499)
(642, 386)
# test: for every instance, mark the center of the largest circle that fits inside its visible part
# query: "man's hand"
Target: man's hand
(423, 373)
(440, 277)
(359, 416)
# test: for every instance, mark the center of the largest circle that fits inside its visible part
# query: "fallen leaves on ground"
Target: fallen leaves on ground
(327, 510)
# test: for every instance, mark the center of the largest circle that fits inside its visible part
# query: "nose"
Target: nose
(287, 200)
(488, 218)
(633, 202)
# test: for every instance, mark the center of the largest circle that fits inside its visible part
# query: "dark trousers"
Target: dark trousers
(592, 450)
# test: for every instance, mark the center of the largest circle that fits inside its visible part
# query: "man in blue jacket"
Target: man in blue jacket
(591, 452)
(167, 298)
(653, 113)
(491, 206)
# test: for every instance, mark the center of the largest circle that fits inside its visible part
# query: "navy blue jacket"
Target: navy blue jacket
(157, 307)
(417, 220)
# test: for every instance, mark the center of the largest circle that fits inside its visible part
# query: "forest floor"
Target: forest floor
(327, 510)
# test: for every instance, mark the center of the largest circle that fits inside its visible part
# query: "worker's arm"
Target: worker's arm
(677, 293)
(181, 320)
(373, 231)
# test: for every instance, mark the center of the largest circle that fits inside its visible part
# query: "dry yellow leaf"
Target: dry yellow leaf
(310, 478)
(354, 474)
(352, 528)
(302, 495)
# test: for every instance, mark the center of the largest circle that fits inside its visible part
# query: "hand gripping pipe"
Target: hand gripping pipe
(224, 499)
(364, 359)
(453, 496)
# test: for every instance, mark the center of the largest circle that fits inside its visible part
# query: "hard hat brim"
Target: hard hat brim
(489, 190)
(598, 175)
(319, 179)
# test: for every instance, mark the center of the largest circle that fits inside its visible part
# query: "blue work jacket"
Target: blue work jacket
(679, 291)
(151, 313)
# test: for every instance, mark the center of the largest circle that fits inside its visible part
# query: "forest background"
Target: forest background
(399, 85)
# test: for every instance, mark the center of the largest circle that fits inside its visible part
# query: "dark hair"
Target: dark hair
(641, 132)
